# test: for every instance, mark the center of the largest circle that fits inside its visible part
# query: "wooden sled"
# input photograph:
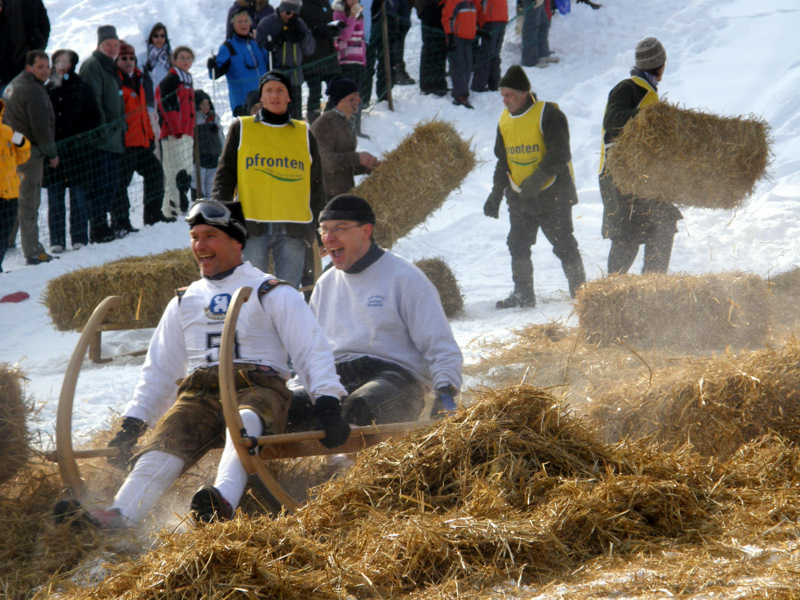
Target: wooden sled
(290, 445)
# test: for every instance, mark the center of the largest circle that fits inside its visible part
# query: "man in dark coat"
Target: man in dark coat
(323, 64)
(627, 221)
(77, 121)
(335, 132)
(534, 170)
(100, 73)
(28, 111)
(28, 29)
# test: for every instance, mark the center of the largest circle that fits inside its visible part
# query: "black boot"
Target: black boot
(400, 76)
(183, 182)
(522, 297)
(576, 276)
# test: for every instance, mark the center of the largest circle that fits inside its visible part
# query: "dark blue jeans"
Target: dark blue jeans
(57, 214)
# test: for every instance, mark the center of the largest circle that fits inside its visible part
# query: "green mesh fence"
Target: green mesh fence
(95, 193)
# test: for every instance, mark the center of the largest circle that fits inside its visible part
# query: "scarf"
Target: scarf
(158, 56)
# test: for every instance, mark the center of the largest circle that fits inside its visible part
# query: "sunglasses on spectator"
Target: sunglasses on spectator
(159, 35)
(126, 58)
(288, 12)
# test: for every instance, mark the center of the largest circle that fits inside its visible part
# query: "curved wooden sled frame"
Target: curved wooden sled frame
(65, 455)
(288, 445)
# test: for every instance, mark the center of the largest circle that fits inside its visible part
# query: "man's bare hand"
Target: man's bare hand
(367, 160)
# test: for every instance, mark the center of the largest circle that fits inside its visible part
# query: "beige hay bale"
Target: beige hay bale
(718, 405)
(14, 411)
(146, 284)
(687, 312)
(416, 178)
(690, 157)
(445, 282)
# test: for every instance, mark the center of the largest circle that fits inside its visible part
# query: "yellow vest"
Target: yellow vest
(651, 97)
(524, 143)
(274, 171)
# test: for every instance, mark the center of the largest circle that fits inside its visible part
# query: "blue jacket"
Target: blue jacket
(244, 62)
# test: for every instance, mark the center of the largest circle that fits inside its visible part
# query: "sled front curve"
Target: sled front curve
(65, 455)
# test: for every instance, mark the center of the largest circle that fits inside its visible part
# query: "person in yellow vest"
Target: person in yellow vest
(534, 172)
(272, 163)
(627, 221)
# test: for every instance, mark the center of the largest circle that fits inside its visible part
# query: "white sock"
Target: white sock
(152, 475)
(231, 476)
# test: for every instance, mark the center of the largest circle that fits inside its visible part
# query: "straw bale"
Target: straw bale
(146, 284)
(513, 488)
(690, 157)
(693, 313)
(14, 410)
(442, 277)
(415, 179)
(717, 405)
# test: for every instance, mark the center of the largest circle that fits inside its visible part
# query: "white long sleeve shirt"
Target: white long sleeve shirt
(390, 311)
(268, 329)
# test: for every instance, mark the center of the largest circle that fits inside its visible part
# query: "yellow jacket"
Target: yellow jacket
(11, 155)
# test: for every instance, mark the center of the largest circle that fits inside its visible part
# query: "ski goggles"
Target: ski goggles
(213, 212)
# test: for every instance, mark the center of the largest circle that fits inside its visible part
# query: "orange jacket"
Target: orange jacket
(140, 131)
(11, 155)
(461, 18)
(494, 11)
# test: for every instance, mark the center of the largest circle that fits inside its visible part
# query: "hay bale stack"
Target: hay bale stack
(416, 178)
(445, 282)
(14, 411)
(717, 405)
(146, 284)
(692, 313)
(689, 157)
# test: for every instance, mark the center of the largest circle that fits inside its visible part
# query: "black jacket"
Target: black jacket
(562, 194)
(77, 121)
(317, 14)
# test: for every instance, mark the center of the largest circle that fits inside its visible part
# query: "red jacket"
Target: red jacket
(461, 17)
(494, 11)
(175, 102)
(139, 132)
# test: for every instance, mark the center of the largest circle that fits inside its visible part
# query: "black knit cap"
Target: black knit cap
(516, 79)
(237, 228)
(341, 88)
(348, 207)
(275, 75)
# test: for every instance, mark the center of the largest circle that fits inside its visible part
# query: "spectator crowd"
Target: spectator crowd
(92, 124)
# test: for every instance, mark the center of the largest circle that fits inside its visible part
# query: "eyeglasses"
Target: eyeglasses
(288, 12)
(212, 212)
(338, 230)
(159, 35)
(126, 58)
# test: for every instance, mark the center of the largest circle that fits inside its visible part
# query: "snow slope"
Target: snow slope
(729, 57)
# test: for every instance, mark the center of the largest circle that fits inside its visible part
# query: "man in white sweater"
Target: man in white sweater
(384, 320)
(178, 390)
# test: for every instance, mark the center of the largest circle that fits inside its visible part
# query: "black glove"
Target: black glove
(491, 207)
(482, 33)
(451, 42)
(329, 419)
(272, 45)
(590, 3)
(530, 188)
(125, 440)
(293, 33)
(211, 64)
(444, 403)
(335, 28)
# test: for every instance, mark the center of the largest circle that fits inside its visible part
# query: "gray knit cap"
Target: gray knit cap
(106, 32)
(650, 54)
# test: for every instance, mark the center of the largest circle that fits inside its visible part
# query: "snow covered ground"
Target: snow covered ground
(729, 57)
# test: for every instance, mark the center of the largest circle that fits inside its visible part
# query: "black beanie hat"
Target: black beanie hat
(341, 88)
(516, 79)
(275, 75)
(237, 228)
(348, 207)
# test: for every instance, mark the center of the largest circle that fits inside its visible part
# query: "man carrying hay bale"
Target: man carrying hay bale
(185, 349)
(629, 221)
(534, 171)
(272, 162)
(383, 318)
